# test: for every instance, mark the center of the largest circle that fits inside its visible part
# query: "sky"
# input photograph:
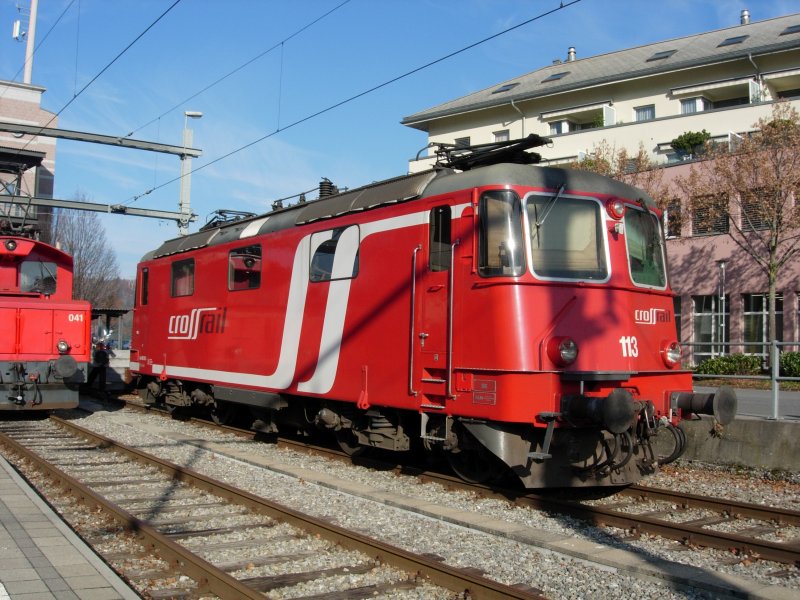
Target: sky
(296, 104)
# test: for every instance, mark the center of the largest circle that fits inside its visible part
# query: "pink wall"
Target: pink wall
(695, 271)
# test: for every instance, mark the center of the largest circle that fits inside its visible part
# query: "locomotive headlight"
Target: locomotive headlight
(671, 353)
(63, 346)
(615, 208)
(11, 245)
(562, 350)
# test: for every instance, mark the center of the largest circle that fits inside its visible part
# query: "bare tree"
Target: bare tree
(96, 271)
(752, 189)
(638, 170)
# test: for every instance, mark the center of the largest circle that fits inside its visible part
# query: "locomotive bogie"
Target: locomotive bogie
(510, 315)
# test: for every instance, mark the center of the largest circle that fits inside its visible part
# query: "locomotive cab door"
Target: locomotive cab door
(431, 337)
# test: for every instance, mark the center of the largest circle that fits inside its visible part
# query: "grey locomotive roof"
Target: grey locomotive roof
(401, 189)
(763, 37)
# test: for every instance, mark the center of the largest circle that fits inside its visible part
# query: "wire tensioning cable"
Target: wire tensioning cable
(336, 105)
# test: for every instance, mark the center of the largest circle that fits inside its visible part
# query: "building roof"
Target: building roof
(722, 45)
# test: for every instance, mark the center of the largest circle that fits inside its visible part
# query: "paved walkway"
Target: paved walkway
(41, 558)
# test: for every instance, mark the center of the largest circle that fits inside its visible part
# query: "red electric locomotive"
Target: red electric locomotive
(45, 340)
(517, 318)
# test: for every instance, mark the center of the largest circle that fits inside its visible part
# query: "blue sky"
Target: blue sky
(359, 45)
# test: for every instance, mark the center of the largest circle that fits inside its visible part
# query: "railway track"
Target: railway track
(213, 539)
(642, 510)
(740, 528)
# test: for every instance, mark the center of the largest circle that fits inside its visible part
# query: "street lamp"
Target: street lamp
(186, 173)
(721, 264)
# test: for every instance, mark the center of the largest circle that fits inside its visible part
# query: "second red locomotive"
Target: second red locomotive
(517, 318)
(45, 341)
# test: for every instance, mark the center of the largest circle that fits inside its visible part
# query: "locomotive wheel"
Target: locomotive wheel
(472, 462)
(348, 443)
(222, 413)
(179, 413)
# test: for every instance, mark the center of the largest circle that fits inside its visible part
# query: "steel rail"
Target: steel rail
(207, 576)
(732, 508)
(436, 572)
(598, 515)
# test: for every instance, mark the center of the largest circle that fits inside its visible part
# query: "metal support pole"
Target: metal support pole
(31, 42)
(184, 204)
(775, 374)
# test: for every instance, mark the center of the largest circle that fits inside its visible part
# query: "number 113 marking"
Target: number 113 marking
(630, 346)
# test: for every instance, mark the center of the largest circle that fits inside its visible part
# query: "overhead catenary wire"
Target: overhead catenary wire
(100, 73)
(562, 5)
(242, 66)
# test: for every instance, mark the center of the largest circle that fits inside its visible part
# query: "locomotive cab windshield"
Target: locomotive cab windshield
(645, 249)
(37, 276)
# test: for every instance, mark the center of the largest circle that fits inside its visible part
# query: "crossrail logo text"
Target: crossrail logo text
(199, 321)
(651, 316)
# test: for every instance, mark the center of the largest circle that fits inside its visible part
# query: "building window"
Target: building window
(756, 319)
(183, 277)
(501, 136)
(555, 76)
(710, 215)
(672, 218)
(694, 105)
(505, 87)
(462, 142)
(559, 127)
(661, 55)
(754, 215)
(244, 268)
(645, 113)
(711, 326)
(676, 308)
(731, 41)
(731, 102)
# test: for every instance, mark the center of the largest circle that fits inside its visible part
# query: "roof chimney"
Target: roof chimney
(745, 19)
(571, 54)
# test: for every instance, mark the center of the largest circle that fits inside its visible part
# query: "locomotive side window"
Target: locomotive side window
(440, 244)
(244, 268)
(37, 276)
(567, 239)
(183, 277)
(645, 249)
(500, 234)
(145, 286)
(334, 254)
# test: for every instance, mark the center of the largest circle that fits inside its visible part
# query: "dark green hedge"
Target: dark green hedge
(790, 364)
(731, 364)
(748, 364)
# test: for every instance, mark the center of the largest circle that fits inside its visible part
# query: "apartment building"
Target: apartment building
(719, 81)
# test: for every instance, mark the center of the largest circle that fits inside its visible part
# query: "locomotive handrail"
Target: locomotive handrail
(449, 375)
(411, 390)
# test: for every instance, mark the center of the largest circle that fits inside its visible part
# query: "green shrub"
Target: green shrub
(790, 364)
(690, 142)
(730, 364)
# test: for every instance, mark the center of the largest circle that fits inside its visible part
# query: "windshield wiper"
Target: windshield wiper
(549, 206)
